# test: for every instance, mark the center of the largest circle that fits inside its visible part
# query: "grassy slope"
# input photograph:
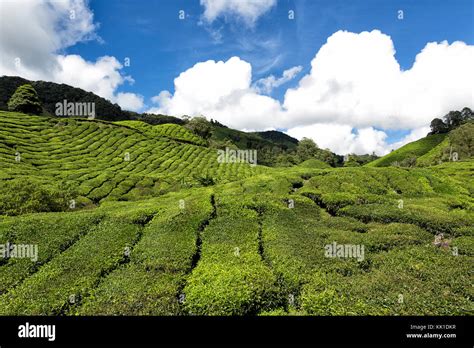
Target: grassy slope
(415, 149)
(435, 153)
(256, 252)
(172, 131)
(107, 160)
(238, 247)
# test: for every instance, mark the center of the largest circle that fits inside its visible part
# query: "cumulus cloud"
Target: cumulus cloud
(33, 50)
(344, 139)
(31, 31)
(220, 90)
(247, 10)
(267, 84)
(130, 101)
(355, 79)
(355, 87)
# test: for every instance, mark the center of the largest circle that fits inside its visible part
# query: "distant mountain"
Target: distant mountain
(278, 138)
(254, 140)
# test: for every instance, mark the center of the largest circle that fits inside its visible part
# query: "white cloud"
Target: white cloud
(33, 30)
(267, 84)
(355, 79)
(101, 77)
(220, 90)
(247, 10)
(130, 101)
(343, 139)
(34, 51)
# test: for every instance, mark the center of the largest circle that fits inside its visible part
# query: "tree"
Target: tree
(351, 161)
(25, 99)
(462, 140)
(453, 119)
(438, 126)
(467, 114)
(306, 149)
(200, 126)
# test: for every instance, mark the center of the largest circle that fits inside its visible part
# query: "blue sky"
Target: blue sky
(342, 72)
(160, 45)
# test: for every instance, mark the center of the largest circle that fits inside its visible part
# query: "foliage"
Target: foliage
(154, 119)
(459, 140)
(25, 99)
(205, 180)
(354, 160)
(306, 149)
(22, 195)
(108, 161)
(451, 120)
(49, 93)
(462, 140)
(200, 126)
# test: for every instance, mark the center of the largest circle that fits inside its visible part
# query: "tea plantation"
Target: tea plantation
(158, 227)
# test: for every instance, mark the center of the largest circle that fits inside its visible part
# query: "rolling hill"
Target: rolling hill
(433, 149)
(127, 160)
(50, 93)
(414, 149)
(253, 242)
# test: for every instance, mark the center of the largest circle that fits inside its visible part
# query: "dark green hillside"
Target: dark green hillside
(258, 140)
(51, 93)
(282, 139)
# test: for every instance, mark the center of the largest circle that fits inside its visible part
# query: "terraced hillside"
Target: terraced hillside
(240, 249)
(172, 131)
(255, 243)
(106, 160)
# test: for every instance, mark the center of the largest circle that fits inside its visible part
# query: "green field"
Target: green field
(148, 237)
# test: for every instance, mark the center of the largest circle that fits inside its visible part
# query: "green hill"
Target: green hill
(257, 140)
(51, 93)
(172, 131)
(459, 141)
(433, 149)
(281, 139)
(412, 150)
(108, 160)
(231, 239)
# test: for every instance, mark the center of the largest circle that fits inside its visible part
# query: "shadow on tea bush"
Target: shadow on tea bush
(22, 196)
